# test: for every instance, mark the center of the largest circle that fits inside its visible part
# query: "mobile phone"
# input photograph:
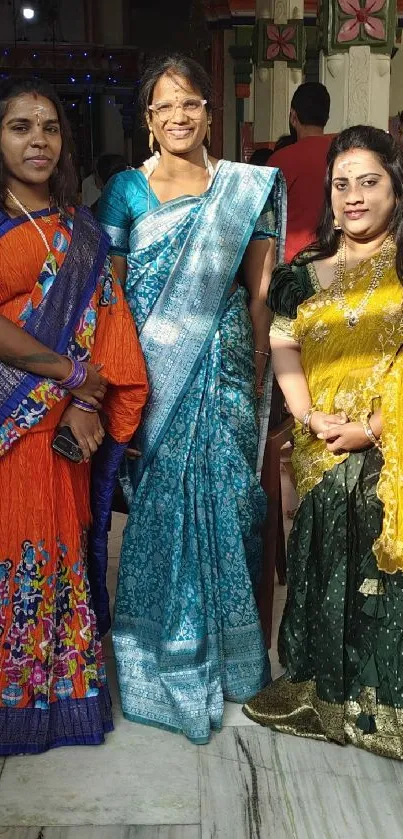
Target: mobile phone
(65, 444)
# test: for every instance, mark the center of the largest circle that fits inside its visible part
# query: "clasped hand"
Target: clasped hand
(338, 433)
(94, 388)
(87, 429)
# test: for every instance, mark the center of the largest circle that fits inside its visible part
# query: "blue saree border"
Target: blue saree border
(67, 722)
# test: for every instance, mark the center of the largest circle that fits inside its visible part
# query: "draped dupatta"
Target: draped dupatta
(56, 320)
(183, 259)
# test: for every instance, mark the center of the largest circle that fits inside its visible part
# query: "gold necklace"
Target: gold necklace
(383, 259)
(32, 220)
(16, 204)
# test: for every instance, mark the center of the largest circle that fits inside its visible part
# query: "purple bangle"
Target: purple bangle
(77, 375)
(83, 406)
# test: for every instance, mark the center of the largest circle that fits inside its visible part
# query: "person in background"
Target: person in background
(62, 317)
(260, 157)
(284, 141)
(89, 191)
(303, 164)
(105, 168)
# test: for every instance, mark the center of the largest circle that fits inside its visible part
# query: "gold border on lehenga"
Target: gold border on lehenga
(372, 587)
(295, 708)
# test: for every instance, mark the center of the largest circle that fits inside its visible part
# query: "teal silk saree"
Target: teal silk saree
(186, 628)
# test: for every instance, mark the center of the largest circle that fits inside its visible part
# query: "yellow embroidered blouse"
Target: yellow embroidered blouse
(356, 369)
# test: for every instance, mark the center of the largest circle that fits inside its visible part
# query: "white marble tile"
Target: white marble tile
(142, 775)
(110, 832)
(233, 716)
(287, 754)
(241, 799)
(122, 832)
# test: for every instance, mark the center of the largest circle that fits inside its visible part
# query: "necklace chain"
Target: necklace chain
(32, 220)
(151, 164)
(384, 257)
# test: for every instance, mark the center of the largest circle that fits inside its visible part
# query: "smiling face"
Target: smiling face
(30, 139)
(181, 133)
(363, 200)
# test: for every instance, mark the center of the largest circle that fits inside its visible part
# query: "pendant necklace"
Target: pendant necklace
(383, 259)
(46, 218)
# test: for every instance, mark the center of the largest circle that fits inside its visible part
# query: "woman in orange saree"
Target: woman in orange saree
(56, 284)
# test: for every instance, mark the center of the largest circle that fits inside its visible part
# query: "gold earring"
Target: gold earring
(151, 141)
(209, 133)
(336, 224)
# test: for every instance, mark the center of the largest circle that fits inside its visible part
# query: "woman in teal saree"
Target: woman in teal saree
(186, 629)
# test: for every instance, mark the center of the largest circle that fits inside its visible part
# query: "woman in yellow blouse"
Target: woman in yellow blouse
(336, 341)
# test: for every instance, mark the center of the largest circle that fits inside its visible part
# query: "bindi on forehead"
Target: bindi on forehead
(349, 164)
(172, 87)
(33, 107)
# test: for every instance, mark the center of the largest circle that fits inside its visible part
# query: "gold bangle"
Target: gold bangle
(306, 420)
(370, 434)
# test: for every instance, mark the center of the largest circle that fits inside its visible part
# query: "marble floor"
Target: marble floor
(247, 783)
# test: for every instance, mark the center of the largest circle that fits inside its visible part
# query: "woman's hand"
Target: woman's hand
(94, 388)
(320, 422)
(350, 437)
(87, 429)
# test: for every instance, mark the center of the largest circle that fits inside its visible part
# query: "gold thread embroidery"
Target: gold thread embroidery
(295, 708)
(372, 587)
(347, 369)
(282, 327)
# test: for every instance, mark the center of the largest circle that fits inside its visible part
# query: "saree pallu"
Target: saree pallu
(341, 636)
(53, 689)
(186, 630)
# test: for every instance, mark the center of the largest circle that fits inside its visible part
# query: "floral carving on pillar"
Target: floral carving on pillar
(358, 23)
(361, 21)
(279, 42)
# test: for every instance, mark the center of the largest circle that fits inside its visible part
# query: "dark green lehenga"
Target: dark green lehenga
(341, 637)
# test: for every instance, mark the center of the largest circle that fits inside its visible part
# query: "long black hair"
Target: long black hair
(63, 183)
(174, 65)
(382, 144)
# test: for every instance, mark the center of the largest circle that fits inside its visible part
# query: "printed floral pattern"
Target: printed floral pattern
(49, 647)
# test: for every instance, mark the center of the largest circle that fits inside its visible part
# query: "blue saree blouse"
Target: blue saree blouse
(127, 197)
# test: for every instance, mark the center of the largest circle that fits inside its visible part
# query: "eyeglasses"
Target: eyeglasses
(166, 110)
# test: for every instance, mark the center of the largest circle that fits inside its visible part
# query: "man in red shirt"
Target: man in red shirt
(304, 164)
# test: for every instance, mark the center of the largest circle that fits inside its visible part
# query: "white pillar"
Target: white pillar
(396, 99)
(358, 82)
(275, 87)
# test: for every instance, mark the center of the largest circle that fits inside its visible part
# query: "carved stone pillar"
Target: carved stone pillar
(357, 41)
(217, 72)
(241, 53)
(279, 56)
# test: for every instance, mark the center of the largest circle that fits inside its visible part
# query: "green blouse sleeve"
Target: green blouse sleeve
(265, 227)
(290, 286)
